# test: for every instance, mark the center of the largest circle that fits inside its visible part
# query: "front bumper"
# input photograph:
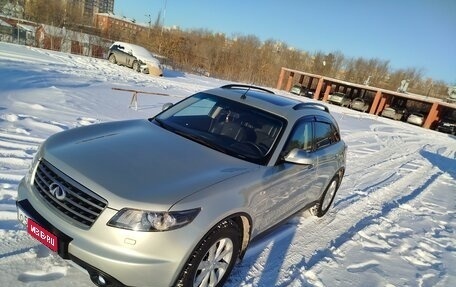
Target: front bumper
(417, 122)
(122, 257)
(335, 100)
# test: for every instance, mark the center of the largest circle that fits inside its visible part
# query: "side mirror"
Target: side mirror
(166, 106)
(299, 156)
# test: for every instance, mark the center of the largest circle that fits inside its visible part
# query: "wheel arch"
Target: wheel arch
(244, 222)
(341, 173)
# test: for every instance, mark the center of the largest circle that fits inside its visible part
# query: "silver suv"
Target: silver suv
(135, 57)
(176, 199)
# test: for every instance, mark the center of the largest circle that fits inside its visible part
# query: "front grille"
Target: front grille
(79, 204)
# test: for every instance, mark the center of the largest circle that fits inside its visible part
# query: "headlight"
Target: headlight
(29, 176)
(141, 220)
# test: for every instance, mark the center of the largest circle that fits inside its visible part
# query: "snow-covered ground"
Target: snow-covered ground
(393, 219)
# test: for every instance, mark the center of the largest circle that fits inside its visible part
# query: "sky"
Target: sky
(417, 34)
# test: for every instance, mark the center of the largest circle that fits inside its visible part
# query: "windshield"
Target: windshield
(227, 126)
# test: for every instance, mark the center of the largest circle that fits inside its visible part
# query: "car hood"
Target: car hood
(138, 164)
(150, 61)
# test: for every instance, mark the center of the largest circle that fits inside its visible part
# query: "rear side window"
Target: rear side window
(323, 134)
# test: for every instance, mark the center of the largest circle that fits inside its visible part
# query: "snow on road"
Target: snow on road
(393, 219)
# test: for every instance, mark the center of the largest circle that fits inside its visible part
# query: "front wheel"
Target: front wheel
(112, 59)
(326, 198)
(135, 66)
(213, 259)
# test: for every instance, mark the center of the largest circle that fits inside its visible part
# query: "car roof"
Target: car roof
(138, 51)
(289, 108)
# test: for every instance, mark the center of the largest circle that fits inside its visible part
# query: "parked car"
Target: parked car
(135, 57)
(302, 91)
(359, 104)
(176, 199)
(447, 125)
(416, 119)
(393, 113)
(340, 99)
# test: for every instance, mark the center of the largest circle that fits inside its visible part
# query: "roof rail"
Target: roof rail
(248, 87)
(309, 105)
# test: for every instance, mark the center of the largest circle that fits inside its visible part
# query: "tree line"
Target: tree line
(244, 58)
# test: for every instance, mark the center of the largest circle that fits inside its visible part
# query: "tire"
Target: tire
(112, 59)
(213, 259)
(135, 66)
(327, 198)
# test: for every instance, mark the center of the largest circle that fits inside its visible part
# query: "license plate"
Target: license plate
(37, 231)
(42, 235)
(22, 217)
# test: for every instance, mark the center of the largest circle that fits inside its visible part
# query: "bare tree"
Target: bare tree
(240, 58)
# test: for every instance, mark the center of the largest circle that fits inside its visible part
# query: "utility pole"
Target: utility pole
(163, 25)
(150, 24)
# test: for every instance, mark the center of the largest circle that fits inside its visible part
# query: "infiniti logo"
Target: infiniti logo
(57, 191)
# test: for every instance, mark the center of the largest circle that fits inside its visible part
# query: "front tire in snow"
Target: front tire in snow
(326, 198)
(213, 259)
(112, 59)
(136, 66)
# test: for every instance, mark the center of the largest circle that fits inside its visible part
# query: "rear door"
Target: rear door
(329, 152)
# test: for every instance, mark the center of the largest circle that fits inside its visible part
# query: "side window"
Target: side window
(301, 137)
(324, 134)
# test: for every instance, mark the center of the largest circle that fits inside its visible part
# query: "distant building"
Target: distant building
(107, 23)
(63, 40)
(89, 7)
(92, 7)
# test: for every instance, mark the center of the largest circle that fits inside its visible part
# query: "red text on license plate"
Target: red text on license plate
(42, 235)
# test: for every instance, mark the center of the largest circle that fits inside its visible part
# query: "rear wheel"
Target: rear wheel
(327, 198)
(214, 257)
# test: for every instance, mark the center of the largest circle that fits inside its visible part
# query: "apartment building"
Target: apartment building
(92, 7)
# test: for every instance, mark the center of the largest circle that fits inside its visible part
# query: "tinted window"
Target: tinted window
(310, 135)
(323, 134)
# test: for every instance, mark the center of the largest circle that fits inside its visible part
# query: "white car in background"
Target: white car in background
(340, 99)
(416, 119)
(359, 105)
(135, 57)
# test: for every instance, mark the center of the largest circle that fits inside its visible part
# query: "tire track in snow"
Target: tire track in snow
(301, 242)
(387, 205)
